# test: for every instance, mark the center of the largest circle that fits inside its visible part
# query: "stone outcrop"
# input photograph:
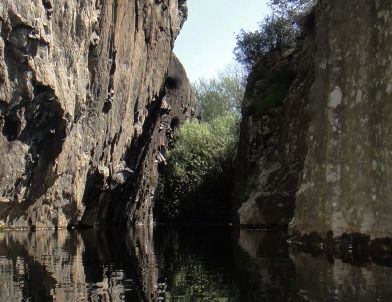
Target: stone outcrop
(272, 144)
(84, 89)
(322, 158)
(346, 183)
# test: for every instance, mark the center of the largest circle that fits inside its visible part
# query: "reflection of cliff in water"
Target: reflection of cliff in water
(274, 273)
(177, 264)
(68, 266)
(266, 271)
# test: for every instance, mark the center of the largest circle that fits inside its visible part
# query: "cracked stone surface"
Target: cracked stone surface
(81, 90)
(326, 151)
(346, 184)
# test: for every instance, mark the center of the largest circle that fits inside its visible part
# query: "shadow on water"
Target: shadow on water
(177, 264)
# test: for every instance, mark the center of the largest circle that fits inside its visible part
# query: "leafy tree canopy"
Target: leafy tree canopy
(221, 95)
(277, 32)
(290, 8)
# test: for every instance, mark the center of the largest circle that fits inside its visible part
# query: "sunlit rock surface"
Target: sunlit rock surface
(323, 155)
(83, 91)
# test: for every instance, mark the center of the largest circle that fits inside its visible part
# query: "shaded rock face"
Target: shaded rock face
(272, 145)
(346, 180)
(328, 164)
(82, 89)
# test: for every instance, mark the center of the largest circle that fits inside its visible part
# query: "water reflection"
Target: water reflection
(67, 266)
(186, 264)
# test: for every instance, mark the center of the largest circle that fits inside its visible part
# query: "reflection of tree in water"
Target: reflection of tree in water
(225, 265)
(192, 282)
(195, 264)
(205, 264)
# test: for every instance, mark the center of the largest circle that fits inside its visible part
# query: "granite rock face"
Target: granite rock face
(272, 145)
(346, 184)
(323, 156)
(84, 87)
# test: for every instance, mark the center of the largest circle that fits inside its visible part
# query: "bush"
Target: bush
(193, 185)
(203, 153)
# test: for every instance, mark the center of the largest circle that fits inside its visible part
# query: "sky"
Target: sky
(206, 42)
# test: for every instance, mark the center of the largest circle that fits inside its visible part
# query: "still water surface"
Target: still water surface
(177, 264)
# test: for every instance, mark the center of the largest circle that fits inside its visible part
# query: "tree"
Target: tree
(290, 8)
(193, 184)
(221, 95)
(278, 32)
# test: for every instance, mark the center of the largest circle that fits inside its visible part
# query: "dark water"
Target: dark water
(187, 264)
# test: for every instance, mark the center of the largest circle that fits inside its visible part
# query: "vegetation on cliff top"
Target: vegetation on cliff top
(276, 38)
(277, 32)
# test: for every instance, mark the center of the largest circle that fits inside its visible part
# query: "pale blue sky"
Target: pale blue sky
(206, 42)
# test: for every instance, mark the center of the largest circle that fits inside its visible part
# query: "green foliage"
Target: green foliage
(278, 32)
(290, 8)
(193, 185)
(195, 165)
(222, 95)
(274, 97)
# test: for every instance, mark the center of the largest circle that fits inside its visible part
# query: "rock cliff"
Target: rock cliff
(90, 94)
(321, 156)
(272, 144)
(346, 183)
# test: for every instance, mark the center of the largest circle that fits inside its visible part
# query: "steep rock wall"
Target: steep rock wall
(323, 156)
(272, 144)
(346, 186)
(82, 86)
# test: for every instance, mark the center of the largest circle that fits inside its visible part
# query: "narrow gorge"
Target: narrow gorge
(92, 96)
(120, 180)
